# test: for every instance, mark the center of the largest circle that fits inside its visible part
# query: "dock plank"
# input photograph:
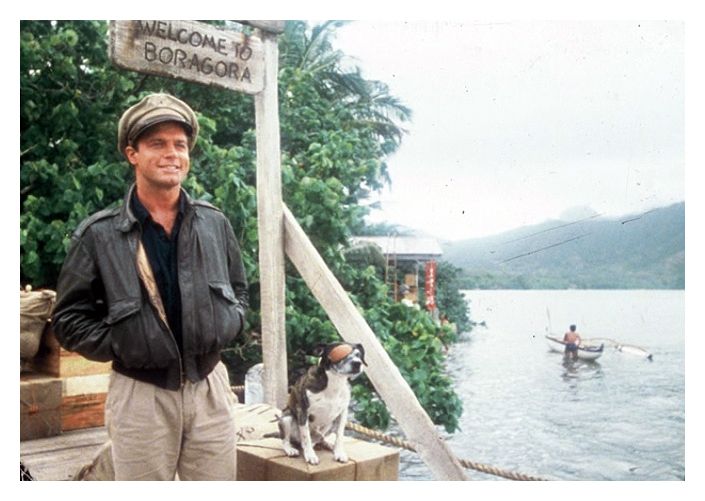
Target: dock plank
(60, 457)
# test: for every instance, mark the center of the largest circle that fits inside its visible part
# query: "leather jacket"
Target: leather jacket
(104, 311)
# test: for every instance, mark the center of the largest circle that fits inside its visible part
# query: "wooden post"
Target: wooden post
(270, 226)
(384, 375)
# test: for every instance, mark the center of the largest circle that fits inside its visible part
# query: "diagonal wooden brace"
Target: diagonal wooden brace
(384, 375)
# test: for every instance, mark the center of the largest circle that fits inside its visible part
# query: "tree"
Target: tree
(448, 300)
(336, 131)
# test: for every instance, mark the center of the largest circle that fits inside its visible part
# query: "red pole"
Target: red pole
(430, 285)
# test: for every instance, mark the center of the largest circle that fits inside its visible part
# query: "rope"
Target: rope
(483, 468)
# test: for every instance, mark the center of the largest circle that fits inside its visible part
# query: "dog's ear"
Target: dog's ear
(361, 349)
(318, 350)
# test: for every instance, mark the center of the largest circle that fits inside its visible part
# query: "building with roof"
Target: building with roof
(406, 257)
(406, 249)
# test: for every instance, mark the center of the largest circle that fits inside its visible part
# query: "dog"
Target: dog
(318, 402)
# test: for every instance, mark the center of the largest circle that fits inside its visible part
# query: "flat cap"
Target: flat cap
(152, 110)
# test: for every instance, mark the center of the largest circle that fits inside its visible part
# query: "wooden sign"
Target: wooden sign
(191, 51)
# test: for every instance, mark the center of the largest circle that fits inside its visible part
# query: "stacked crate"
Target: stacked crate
(61, 391)
(265, 460)
(40, 406)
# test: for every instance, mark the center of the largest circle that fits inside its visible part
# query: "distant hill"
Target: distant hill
(642, 251)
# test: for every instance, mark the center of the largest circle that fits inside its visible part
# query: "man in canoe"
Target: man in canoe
(572, 341)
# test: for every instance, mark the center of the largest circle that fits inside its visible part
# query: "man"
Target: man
(572, 341)
(157, 287)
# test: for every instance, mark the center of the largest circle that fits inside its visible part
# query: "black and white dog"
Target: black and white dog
(318, 402)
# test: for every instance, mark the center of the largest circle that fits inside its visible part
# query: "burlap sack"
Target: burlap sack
(35, 311)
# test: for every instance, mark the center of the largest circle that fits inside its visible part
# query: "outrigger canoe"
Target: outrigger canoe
(624, 348)
(585, 352)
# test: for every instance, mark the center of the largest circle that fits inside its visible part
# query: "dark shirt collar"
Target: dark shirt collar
(141, 212)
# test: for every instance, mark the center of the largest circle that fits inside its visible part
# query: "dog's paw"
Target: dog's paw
(311, 457)
(291, 451)
(340, 456)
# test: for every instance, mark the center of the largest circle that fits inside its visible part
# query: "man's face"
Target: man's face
(160, 157)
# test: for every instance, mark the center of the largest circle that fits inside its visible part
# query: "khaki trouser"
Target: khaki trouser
(158, 433)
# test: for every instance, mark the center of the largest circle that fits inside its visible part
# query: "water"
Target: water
(526, 410)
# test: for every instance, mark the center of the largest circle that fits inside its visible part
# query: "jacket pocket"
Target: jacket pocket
(138, 339)
(122, 309)
(224, 290)
(227, 316)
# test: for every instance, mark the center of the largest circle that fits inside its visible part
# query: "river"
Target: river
(526, 410)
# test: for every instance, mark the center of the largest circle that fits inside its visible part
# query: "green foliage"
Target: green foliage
(69, 98)
(417, 347)
(449, 300)
(336, 130)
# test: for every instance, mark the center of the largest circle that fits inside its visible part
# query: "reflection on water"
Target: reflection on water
(528, 410)
(575, 369)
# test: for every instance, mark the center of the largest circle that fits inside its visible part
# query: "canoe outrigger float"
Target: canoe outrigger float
(585, 351)
(629, 349)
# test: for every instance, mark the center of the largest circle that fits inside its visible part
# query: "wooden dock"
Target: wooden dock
(62, 456)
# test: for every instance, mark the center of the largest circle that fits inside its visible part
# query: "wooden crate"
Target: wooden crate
(83, 401)
(83, 383)
(73, 364)
(82, 411)
(46, 361)
(53, 360)
(265, 460)
(40, 407)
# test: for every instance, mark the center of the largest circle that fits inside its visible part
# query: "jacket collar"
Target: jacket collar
(128, 219)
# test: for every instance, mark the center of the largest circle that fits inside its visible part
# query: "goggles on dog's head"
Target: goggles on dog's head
(339, 352)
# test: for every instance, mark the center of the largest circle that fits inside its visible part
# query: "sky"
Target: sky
(517, 122)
